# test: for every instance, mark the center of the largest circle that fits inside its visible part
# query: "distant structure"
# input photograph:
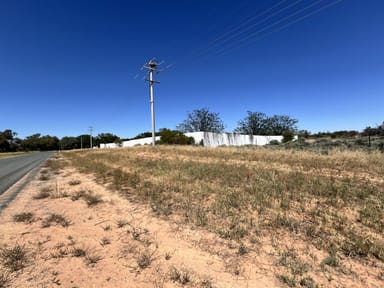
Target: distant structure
(208, 139)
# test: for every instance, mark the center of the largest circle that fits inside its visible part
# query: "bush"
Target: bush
(288, 136)
(174, 137)
(274, 142)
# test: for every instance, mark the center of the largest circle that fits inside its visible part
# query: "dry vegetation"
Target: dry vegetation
(303, 202)
(198, 217)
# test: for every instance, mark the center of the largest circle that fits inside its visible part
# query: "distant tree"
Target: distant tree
(252, 124)
(68, 143)
(7, 141)
(144, 135)
(202, 120)
(288, 136)
(106, 138)
(174, 137)
(36, 142)
(84, 141)
(278, 124)
(257, 123)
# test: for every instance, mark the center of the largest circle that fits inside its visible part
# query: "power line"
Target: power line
(286, 25)
(266, 28)
(247, 21)
(252, 25)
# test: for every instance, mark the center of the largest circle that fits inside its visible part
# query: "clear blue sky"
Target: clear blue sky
(69, 64)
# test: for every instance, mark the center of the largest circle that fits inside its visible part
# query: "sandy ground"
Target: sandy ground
(118, 243)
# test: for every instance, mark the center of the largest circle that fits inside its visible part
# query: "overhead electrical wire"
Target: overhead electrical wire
(291, 23)
(229, 32)
(228, 39)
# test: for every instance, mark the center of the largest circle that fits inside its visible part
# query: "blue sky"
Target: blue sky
(66, 65)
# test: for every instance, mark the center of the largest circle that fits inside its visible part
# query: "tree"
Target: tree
(8, 142)
(252, 124)
(36, 142)
(278, 124)
(202, 120)
(106, 138)
(69, 143)
(257, 123)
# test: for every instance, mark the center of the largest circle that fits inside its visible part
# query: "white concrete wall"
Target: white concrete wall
(209, 140)
(109, 145)
(231, 139)
(142, 141)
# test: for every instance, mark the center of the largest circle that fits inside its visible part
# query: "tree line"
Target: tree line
(254, 123)
(9, 142)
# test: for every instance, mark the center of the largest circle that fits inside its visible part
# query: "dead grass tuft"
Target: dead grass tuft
(55, 219)
(14, 258)
(26, 217)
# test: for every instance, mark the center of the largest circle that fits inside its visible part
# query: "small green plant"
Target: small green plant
(26, 217)
(55, 219)
(14, 258)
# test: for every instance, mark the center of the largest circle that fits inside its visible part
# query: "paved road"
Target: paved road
(14, 168)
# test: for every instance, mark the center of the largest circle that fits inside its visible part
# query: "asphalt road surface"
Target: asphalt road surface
(13, 169)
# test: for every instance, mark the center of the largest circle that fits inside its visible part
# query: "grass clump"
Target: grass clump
(77, 195)
(74, 182)
(26, 217)
(145, 258)
(120, 223)
(44, 192)
(78, 252)
(55, 219)
(44, 177)
(180, 276)
(285, 279)
(92, 199)
(14, 258)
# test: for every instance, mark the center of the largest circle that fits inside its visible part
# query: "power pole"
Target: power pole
(90, 128)
(151, 67)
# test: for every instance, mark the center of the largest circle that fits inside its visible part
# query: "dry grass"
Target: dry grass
(333, 202)
(14, 258)
(26, 217)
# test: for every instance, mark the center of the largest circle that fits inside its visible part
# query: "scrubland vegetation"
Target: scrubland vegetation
(329, 202)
